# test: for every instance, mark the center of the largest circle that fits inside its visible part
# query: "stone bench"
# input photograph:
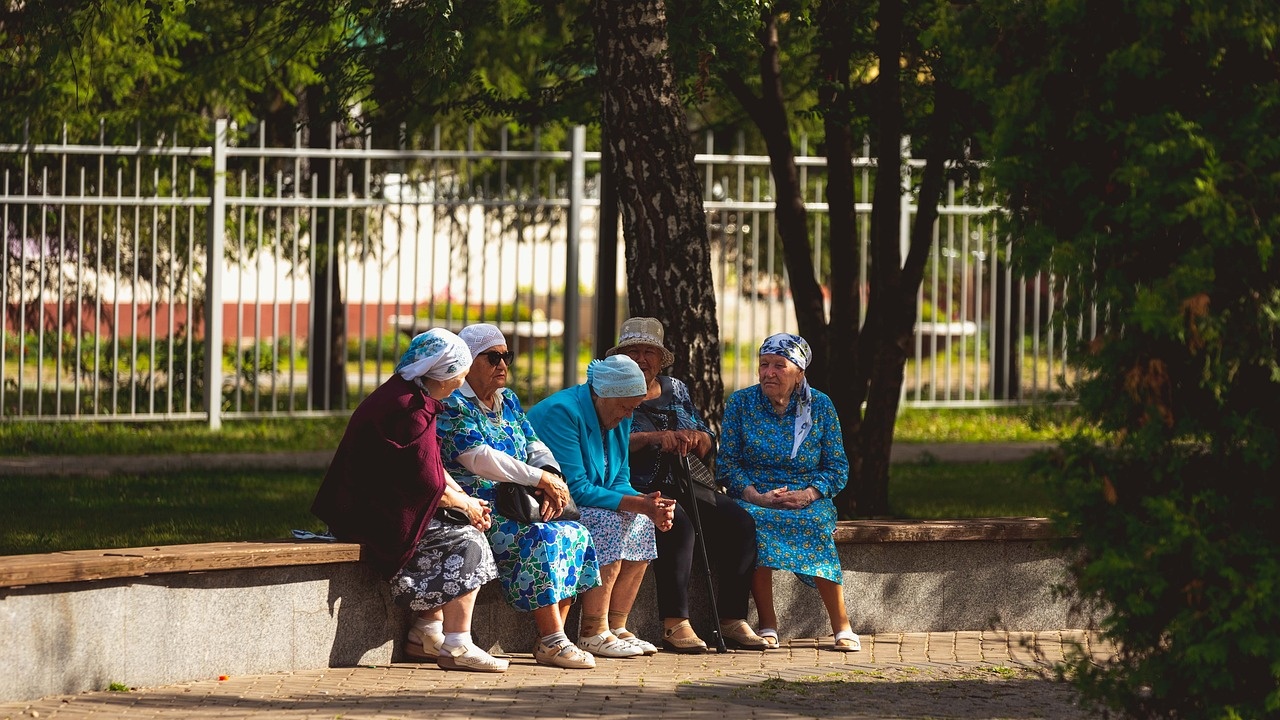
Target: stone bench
(74, 621)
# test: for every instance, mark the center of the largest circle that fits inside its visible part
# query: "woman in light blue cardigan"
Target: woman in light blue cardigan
(588, 428)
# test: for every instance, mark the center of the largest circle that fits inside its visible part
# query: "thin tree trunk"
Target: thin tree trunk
(888, 370)
(844, 335)
(770, 116)
(659, 192)
(326, 373)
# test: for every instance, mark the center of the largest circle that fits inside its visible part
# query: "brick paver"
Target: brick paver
(968, 675)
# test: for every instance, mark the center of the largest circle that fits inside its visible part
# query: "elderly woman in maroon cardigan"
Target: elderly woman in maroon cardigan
(387, 490)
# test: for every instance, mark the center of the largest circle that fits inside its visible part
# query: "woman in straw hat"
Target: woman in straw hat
(666, 426)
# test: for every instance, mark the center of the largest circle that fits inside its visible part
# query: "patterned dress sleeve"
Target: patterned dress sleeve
(729, 469)
(458, 429)
(832, 470)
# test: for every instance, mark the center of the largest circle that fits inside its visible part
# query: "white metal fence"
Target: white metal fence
(120, 260)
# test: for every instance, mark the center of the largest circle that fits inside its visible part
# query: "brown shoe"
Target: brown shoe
(738, 634)
(685, 645)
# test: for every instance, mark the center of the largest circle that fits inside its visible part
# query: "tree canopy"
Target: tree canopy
(1138, 156)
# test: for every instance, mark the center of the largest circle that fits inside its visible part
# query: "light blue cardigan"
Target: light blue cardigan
(567, 423)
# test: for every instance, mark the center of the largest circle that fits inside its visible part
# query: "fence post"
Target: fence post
(213, 277)
(577, 195)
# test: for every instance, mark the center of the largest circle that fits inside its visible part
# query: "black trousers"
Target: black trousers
(730, 536)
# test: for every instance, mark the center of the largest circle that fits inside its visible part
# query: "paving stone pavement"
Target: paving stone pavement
(963, 675)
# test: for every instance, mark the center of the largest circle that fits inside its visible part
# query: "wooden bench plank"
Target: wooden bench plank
(80, 565)
(973, 529)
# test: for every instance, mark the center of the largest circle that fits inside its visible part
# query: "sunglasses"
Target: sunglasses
(494, 357)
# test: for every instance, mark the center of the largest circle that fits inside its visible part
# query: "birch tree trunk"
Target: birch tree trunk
(659, 192)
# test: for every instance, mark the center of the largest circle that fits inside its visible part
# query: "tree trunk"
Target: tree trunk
(769, 114)
(867, 491)
(835, 55)
(659, 192)
(326, 373)
(896, 317)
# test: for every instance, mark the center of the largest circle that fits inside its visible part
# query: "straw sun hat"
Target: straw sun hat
(642, 331)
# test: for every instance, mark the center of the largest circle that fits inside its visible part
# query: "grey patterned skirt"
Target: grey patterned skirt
(449, 562)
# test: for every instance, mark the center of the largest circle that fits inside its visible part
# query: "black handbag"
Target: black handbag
(702, 482)
(452, 516)
(522, 504)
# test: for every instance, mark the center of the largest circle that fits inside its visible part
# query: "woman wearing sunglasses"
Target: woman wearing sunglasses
(485, 439)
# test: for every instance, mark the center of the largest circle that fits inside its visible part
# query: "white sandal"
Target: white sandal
(469, 657)
(422, 645)
(607, 645)
(625, 634)
(847, 641)
(770, 636)
(564, 655)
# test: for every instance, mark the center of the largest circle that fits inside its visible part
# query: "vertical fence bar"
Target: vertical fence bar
(4, 306)
(213, 278)
(577, 196)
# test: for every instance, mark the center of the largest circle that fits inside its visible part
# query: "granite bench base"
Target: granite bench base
(71, 622)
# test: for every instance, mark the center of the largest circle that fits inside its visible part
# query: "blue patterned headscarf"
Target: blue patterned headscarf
(437, 354)
(616, 376)
(795, 349)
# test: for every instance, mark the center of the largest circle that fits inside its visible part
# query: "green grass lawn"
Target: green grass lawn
(1020, 424)
(53, 513)
(49, 514)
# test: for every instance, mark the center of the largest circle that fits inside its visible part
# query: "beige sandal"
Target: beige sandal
(738, 634)
(564, 655)
(685, 645)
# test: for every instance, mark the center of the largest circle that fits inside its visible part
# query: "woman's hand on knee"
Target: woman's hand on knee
(555, 495)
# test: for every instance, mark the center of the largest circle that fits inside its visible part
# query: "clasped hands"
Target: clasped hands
(477, 510)
(682, 442)
(661, 510)
(781, 498)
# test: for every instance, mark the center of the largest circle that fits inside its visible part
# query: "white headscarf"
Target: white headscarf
(795, 349)
(481, 337)
(437, 354)
(616, 376)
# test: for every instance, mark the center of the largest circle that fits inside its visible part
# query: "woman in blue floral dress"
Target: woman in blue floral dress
(486, 439)
(782, 457)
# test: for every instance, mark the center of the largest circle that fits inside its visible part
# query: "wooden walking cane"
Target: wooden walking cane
(686, 486)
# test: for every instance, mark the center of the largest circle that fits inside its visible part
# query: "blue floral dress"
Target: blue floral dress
(539, 564)
(755, 449)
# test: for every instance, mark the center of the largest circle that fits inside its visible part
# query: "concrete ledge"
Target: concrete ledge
(77, 621)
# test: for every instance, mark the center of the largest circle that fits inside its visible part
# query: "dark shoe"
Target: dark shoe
(687, 645)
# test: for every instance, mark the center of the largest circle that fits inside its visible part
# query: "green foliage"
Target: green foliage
(160, 66)
(1140, 155)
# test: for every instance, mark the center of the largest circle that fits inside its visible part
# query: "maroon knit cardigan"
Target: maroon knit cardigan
(386, 477)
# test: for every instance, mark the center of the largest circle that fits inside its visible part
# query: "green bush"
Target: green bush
(1139, 159)
(464, 313)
